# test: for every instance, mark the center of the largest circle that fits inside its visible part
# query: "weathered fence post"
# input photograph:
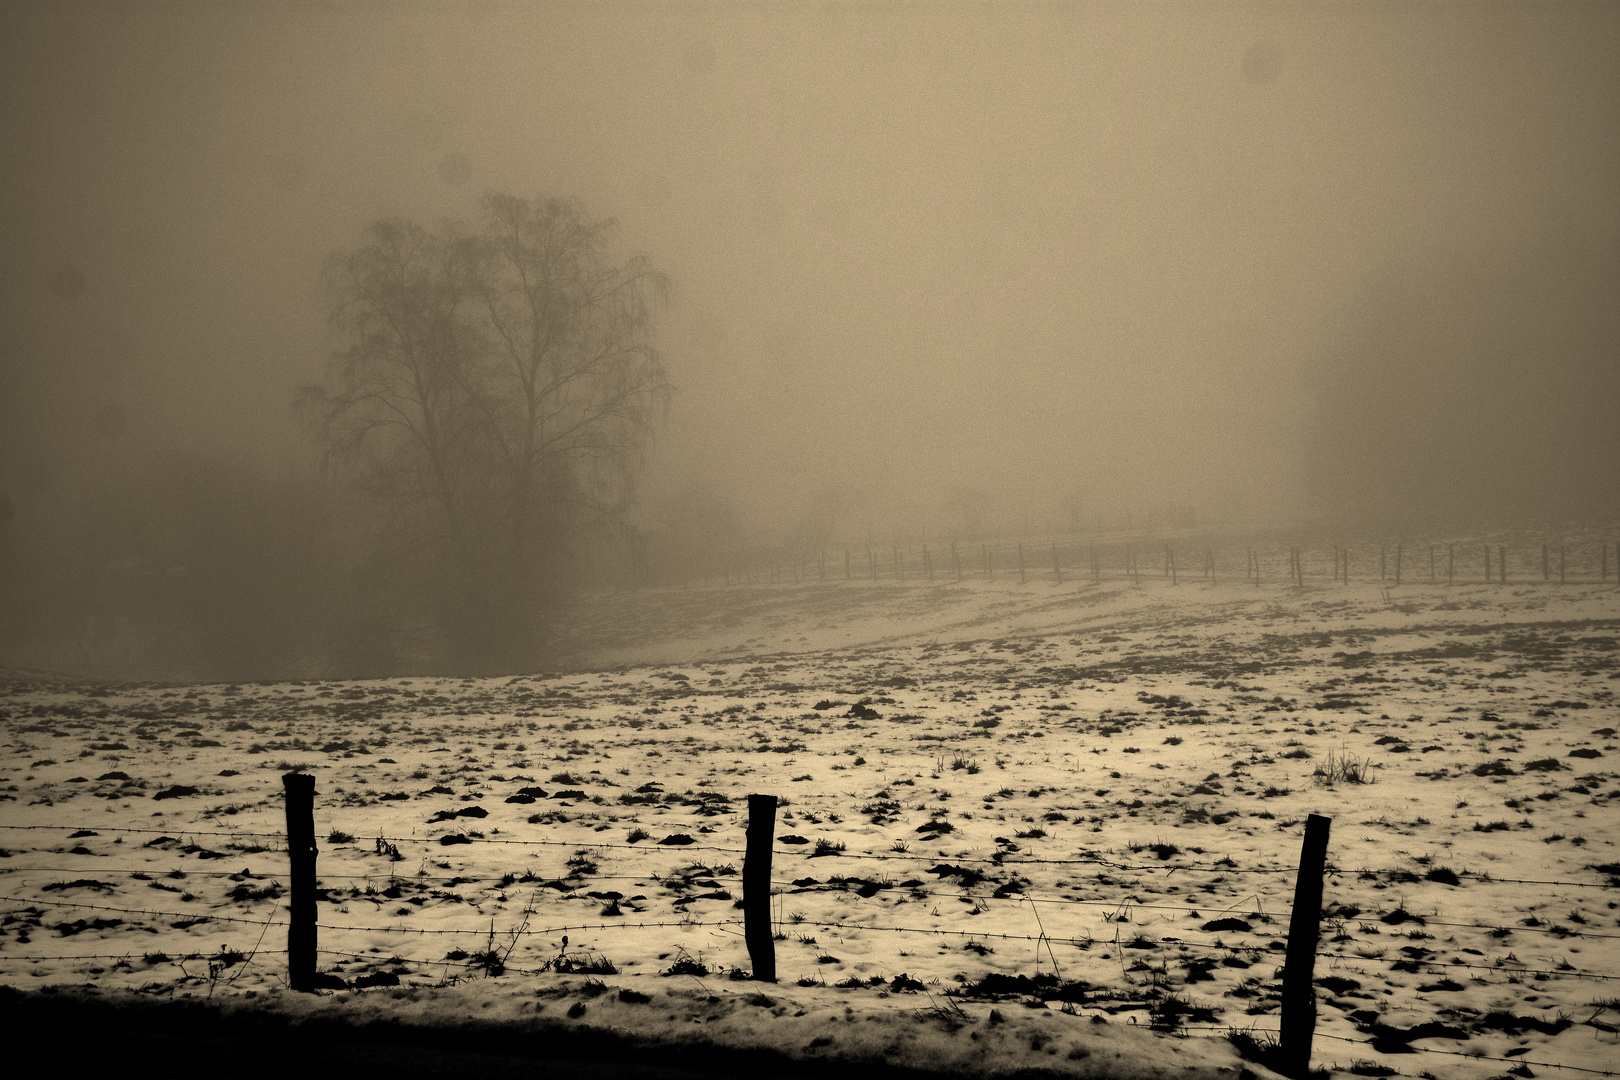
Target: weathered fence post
(1298, 1022)
(300, 793)
(1021, 563)
(757, 886)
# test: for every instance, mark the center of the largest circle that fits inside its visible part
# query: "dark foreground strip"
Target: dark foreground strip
(121, 1035)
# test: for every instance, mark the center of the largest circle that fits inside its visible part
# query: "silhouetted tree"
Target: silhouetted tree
(496, 389)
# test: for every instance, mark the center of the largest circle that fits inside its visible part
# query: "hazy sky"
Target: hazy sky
(1034, 249)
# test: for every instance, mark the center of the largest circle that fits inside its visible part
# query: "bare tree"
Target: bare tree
(496, 390)
(575, 381)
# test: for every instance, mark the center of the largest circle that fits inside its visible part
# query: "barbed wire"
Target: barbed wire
(183, 831)
(1435, 968)
(127, 955)
(1000, 859)
(197, 919)
(1484, 877)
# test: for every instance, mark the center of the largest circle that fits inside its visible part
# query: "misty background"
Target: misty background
(935, 271)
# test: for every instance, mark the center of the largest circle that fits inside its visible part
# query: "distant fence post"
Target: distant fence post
(956, 561)
(1020, 563)
(757, 887)
(300, 792)
(1304, 927)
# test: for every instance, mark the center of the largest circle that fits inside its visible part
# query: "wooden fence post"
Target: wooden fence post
(1020, 562)
(956, 561)
(757, 886)
(928, 564)
(300, 795)
(1298, 1022)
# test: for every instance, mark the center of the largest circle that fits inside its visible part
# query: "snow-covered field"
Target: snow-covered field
(1085, 799)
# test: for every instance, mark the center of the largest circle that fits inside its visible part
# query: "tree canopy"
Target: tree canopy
(496, 387)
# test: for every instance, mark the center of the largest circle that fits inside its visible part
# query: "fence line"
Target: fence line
(1262, 943)
(1127, 560)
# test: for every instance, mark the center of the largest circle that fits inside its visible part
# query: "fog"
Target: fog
(1070, 265)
